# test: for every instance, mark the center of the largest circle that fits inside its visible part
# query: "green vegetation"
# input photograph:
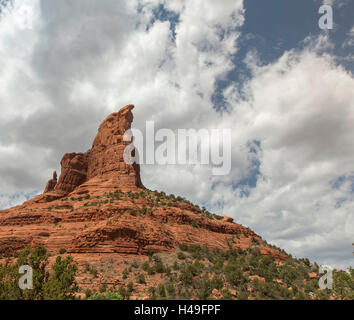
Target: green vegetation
(103, 288)
(200, 273)
(105, 296)
(140, 279)
(125, 274)
(124, 293)
(155, 199)
(59, 284)
(92, 270)
(181, 255)
(132, 212)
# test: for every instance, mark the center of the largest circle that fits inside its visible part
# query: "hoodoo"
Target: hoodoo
(51, 183)
(101, 166)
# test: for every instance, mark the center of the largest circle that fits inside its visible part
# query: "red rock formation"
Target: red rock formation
(81, 196)
(99, 209)
(103, 165)
(51, 183)
(227, 219)
(118, 224)
(73, 172)
(106, 155)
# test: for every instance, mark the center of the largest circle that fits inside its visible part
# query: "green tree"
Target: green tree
(59, 284)
(343, 283)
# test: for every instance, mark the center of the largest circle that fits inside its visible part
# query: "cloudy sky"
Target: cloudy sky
(261, 68)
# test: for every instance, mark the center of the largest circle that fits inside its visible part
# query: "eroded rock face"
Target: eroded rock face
(73, 172)
(51, 183)
(106, 155)
(118, 223)
(102, 165)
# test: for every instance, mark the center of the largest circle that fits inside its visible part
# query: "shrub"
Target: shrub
(159, 267)
(218, 263)
(130, 287)
(194, 224)
(205, 290)
(62, 251)
(217, 282)
(183, 247)
(88, 293)
(175, 266)
(186, 276)
(181, 255)
(171, 290)
(140, 279)
(152, 293)
(94, 272)
(196, 268)
(106, 296)
(149, 252)
(288, 274)
(255, 241)
(235, 277)
(87, 267)
(125, 274)
(195, 251)
(124, 293)
(145, 266)
(103, 288)
(226, 294)
(243, 295)
(161, 290)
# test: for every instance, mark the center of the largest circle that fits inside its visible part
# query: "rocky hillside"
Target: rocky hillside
(121, 234)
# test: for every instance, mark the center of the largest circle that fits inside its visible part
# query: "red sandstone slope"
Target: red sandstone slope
(100, 207)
